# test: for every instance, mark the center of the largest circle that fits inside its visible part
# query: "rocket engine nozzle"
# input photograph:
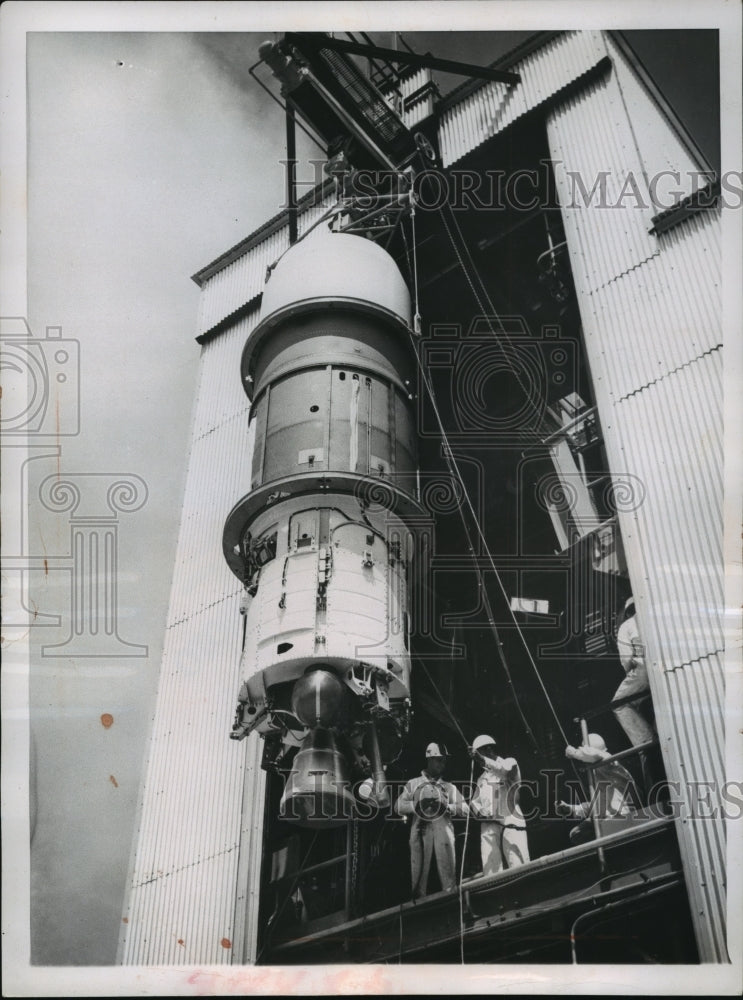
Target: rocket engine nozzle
(318, 791)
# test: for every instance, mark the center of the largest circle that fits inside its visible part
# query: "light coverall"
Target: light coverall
(613, 788)
(632, 658)
(503, 829)
(429, 836)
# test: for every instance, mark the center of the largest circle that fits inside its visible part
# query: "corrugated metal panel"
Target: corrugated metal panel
(190, 830)
(669, 435)
(493, 107)
(694, 702)
(222, 397)
(617, 239)
(183, 884)
(651, 316)
(248, 884)
(240, 281)
(654, 322)
(658, 149)
(423, 105)
(201, 576)
(183, 918)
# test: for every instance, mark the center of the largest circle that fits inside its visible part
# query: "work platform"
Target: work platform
(545, 910)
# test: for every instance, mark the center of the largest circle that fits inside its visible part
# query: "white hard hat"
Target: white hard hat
(483, 741)
(595, 741)
(365, 789)
(629, 603)
(436, 750)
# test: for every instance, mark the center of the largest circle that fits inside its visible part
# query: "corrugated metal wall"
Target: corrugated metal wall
(415, 111)
(494, 107)
(651, 311)
(240, 281)
(193, 827)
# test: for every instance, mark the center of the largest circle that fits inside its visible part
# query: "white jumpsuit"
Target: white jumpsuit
(613, 790)
(431, 836)
(631, 655)
(503, 839)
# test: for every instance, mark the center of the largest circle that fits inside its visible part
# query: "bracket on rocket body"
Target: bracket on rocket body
(372, 685)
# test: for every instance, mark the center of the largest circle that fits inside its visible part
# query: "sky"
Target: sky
(147, 159)
(149, 154)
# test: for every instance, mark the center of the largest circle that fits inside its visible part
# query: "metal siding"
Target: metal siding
(243, 279)
(652, 317)
(702, 840)
(248, 883)
(617, 239)
(656, 329)
(493, 107)
(238, 282)
(423, 106)
(659, 149)
(222, 396)
(184, 875)
(671, 447)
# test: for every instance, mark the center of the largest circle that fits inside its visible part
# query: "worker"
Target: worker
(632, 658)
(432, 802)
(503, 839)
(614, 789)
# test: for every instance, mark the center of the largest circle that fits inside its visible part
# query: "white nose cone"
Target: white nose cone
(337, 270)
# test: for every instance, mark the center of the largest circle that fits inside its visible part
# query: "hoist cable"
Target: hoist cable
(334, 209)
(446, 705)
(488, 310)
(454, 468)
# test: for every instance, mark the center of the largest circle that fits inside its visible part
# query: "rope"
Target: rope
(417, 316)
(446, 706)
(461, 871)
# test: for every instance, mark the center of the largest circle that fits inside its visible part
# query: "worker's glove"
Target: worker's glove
(563, 809)
(570, 752)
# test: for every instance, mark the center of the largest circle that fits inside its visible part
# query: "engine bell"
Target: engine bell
(318, 790)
